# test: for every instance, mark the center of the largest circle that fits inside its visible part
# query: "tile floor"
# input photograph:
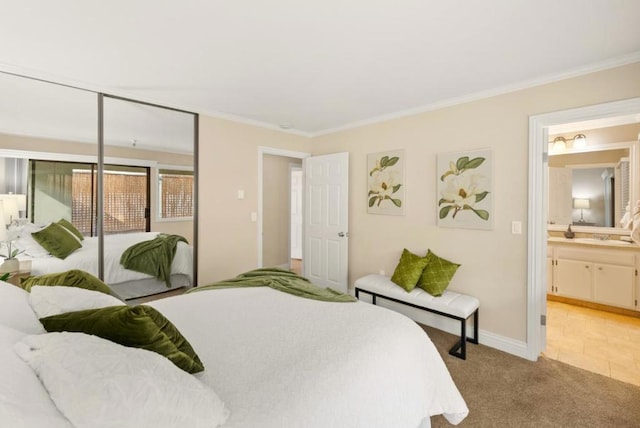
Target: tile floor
(598, 341)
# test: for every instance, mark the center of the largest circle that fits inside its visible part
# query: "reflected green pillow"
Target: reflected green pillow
(437, 274)
(409, 269)
(71, 278)
(71, 228)
(57, 240)
(134, 326)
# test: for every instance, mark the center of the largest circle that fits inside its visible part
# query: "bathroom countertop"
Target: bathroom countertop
(608, 243)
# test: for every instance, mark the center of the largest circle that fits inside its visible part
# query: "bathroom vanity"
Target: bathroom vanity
(603, 273)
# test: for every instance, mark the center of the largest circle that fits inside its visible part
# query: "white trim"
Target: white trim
(604, 65)
(263, 150)
(175, 167)
(537, 228)
(65, 157)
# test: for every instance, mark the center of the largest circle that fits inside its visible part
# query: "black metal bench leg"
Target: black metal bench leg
(474, 339)
(460, 348)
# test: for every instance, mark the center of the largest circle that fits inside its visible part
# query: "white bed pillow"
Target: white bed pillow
(113, 385)
(30, 246)
(15, 311)
(23, 400)
(47, 300)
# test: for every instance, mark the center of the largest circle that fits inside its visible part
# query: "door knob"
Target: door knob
(341, 234)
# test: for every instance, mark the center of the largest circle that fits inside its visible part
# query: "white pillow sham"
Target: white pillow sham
(24, 403)
(96, 383)
(15, 311)
(29, 245)
(47, 300)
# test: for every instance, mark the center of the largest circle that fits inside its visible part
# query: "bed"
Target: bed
(128, 284)
(271, 359)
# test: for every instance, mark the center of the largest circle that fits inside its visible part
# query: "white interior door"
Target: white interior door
(296, 213)
(326, 220)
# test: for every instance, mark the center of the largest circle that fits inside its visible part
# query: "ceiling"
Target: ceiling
(314, 66)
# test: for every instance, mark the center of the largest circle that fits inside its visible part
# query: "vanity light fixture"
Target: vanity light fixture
(560, 143)
(580, 141)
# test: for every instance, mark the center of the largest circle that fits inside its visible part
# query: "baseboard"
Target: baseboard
(487, 338)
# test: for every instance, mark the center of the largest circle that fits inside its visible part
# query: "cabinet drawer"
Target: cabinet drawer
(622, 258)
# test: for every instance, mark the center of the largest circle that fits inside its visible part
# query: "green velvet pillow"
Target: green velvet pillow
(71, 228)
(437, 274)
(57, 240)
(134, 326)
(409, 269)
(71, 278)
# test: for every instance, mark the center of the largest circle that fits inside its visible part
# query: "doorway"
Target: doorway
(538, 205)
(275, 211)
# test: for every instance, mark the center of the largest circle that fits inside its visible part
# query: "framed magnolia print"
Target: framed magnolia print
(385, 182)
(465, 189)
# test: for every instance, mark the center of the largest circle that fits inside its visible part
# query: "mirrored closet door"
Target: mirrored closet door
(116, 171)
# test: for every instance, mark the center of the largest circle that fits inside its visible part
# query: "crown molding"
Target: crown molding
(592, 68)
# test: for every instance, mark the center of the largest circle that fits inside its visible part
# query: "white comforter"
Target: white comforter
(86, 258)
(277, 360)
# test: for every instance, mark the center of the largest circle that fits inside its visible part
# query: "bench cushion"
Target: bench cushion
(451, 302)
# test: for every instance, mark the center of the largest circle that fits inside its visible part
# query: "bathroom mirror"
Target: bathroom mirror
(593, 188)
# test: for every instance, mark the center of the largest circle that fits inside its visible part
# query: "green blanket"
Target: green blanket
(153, 257)
(281, 280)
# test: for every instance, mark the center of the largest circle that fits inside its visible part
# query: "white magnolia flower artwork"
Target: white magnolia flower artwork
(386, 183)
(464, 190)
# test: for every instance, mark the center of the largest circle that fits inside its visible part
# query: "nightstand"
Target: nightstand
(16, 277)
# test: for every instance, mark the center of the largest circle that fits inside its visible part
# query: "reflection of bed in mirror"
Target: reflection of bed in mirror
(128, 284)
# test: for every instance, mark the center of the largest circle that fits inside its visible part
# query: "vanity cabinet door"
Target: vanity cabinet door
(573, 279)
(613, 285)
(550, 284)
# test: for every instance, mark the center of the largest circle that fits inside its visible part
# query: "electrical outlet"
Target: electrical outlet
(381, 272)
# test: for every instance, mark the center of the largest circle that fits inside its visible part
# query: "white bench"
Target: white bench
(451, 304)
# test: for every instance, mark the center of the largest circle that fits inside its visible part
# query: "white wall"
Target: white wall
(494, 263)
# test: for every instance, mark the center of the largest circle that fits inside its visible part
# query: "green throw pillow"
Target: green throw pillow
(134, 326)
(71, 278)
(57, 240)
(71, 228)
(437, 274)
(409, 269)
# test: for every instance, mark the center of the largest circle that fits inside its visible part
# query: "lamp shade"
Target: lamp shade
(3, 228)
(581, 203)
(21, 200)
(10, 208)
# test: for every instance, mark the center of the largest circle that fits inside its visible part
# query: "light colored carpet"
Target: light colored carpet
(502, 390)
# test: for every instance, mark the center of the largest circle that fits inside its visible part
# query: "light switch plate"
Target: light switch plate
(516, 227)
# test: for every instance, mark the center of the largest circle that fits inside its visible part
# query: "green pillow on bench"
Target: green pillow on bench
(409, 269)
(437, 274)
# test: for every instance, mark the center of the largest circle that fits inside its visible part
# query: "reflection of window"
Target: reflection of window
(176, 193)
(68, 190)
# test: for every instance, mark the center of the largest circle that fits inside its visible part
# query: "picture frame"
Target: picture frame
(386, 183)
(465, 189)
